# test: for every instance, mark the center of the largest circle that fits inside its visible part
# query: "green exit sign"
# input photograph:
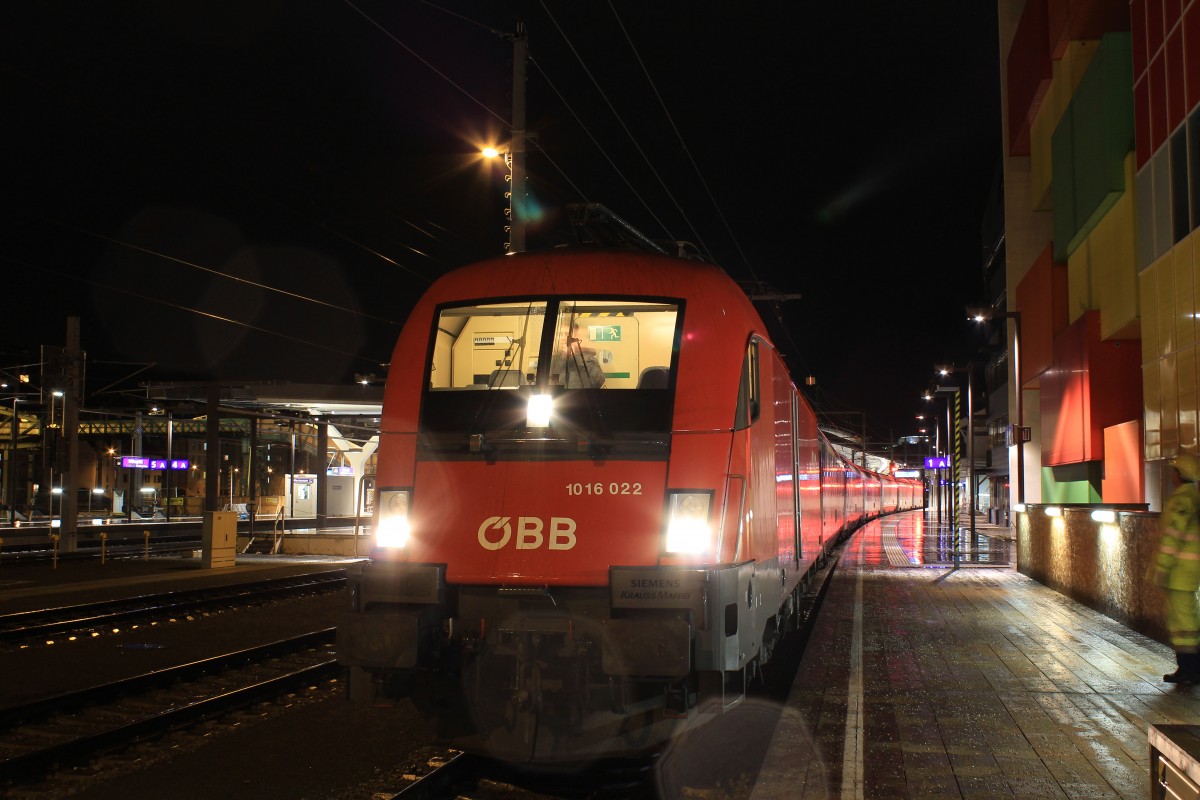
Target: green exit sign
(604, 333)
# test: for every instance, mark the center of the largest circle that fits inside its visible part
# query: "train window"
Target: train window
(748, 391)
(613, 344)
(593, 344)
(487, 345)
(607, 363)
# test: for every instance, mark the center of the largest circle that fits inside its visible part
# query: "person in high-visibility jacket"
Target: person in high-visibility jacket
(1179, 569)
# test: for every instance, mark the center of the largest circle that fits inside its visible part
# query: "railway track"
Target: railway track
(39, 737)
(42, 623)
(43, 552)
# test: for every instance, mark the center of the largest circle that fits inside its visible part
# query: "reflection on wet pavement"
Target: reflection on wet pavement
(935, 669)
(911, 540)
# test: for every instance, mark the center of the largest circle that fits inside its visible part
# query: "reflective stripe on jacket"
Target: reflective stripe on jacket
(1179, 548)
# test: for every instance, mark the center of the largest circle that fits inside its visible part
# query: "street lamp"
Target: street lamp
(983, 314)
(970, 370)
(949, 450)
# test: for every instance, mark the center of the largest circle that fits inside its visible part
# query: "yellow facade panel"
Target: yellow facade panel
(1148, 284)
(1114, 265)
(1079, 282)
(1169, 399)
(1186, 365)
(1185, 294)
(1151, 410)
(1165, 304)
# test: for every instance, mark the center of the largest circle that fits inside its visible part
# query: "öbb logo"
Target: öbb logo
(497, 532)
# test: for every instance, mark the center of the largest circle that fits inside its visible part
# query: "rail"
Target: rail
(93, 709)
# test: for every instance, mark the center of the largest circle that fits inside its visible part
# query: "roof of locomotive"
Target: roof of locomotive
(595, 271)
(718, 318)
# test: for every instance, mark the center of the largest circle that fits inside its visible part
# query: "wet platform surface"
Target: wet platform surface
(936, 670)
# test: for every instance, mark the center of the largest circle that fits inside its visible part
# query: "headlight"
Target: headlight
(538, 414)
(688, 530)
(391, 518)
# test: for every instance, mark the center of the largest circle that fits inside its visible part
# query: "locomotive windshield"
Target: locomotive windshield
(604, 367)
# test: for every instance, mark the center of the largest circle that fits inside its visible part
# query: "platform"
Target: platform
(933, 673)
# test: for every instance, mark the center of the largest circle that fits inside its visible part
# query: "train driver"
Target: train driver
(575, 366)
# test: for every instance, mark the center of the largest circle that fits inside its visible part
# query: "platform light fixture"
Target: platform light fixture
(981, 314)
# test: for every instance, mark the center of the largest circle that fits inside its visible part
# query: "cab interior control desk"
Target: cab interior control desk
(1174, 762)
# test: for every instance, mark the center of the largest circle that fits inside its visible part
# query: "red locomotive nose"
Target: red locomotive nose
(533, 525)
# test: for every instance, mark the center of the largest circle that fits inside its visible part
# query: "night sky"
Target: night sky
(261, 190)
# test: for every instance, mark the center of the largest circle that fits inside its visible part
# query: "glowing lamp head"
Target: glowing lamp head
(539, 410)
(392, 528)
(688, 530)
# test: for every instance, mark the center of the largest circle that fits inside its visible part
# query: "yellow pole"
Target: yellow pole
(146, 534)
(103, 538)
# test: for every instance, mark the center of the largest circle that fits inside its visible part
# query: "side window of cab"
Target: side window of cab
(748, 402)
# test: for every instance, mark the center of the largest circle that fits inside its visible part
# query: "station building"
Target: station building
(1101, 172)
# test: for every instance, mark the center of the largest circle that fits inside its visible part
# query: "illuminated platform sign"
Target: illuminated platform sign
(141, 462)
(940, 462)
(908, 473)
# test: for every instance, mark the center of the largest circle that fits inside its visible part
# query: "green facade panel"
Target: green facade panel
(1090, 143)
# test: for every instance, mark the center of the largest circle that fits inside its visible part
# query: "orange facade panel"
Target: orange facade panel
(1124, 480)
(1042, 302)
(1093, 384)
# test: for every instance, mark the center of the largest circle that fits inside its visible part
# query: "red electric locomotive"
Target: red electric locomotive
(599, 495)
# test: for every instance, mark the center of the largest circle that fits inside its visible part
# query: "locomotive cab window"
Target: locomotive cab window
(593, 367)
(748, 390)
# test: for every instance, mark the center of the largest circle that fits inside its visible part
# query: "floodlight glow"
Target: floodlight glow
(538, 413)
(1053, 511)
(1104, 515)
(687, 523)
(1019, 508)
(392, 527)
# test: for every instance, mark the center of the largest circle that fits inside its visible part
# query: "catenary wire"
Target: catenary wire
(666, 112)
(629, 133)
(190, 310)
(217, 272)
(426, 62)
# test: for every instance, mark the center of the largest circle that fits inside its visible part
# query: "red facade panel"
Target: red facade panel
(1073, 20)
(1042, 302)
(1158, 101)
(1141, 121)
(1092, 385)
(1137, 29)
(1029, 75)
(1155, 33)
(1175, 89)
(1191, 53)
(1172, 10)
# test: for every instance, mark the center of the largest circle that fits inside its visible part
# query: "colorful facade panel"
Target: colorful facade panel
(1042, 301)
(1068, 72)
(1090, 144)
(1093, 385)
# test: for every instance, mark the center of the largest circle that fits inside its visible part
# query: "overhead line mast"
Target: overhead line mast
(516, 153)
